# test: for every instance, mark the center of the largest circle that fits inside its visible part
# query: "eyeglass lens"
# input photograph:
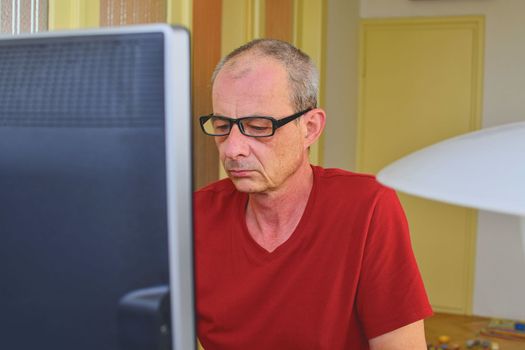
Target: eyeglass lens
(252, 126)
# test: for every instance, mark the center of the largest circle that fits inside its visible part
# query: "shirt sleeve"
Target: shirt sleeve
(390, 293)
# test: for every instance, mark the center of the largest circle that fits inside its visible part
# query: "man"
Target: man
(291, 256)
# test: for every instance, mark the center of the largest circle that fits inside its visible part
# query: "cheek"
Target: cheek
(290, 146)
(285, 155)
(219, 143)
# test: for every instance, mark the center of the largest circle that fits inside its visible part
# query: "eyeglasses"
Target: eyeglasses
(216, 125)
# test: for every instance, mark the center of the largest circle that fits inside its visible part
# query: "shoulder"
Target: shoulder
(347, 183)
(353, 196)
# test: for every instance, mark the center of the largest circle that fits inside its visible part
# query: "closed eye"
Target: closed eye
(220, 124)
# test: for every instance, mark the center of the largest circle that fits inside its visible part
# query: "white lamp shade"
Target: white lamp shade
(483, 169)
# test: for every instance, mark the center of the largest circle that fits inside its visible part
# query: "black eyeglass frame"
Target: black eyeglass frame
(276, 123)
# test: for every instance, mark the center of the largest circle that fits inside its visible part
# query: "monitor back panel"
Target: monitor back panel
(82, 186)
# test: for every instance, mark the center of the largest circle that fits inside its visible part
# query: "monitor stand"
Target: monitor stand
(144, 321)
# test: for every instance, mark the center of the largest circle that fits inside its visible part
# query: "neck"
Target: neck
(272, 217)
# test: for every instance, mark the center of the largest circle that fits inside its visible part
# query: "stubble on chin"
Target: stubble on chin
(248, 185)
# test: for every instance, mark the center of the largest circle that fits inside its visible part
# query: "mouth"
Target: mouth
(240, 173)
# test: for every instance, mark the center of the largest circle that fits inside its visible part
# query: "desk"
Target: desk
(461, 328)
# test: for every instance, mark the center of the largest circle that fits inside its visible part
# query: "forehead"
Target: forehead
(251, 82)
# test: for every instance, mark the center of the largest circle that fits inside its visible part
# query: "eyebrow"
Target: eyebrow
(243, 116)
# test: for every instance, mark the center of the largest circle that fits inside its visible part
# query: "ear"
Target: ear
(313, 122)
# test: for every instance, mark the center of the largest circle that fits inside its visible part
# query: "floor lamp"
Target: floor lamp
(482, 170)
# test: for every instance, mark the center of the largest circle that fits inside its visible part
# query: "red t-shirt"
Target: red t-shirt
(347, 273)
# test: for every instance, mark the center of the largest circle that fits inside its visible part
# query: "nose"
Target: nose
(235, 145)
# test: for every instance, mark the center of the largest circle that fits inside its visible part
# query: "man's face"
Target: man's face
(257, 86)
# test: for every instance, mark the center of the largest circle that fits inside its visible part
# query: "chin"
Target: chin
(248, 186)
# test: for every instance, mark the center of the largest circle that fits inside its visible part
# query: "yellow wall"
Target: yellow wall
(71, 14)
(180, 12)
(310, 36)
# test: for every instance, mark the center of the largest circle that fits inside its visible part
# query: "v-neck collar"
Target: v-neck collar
(255, 251)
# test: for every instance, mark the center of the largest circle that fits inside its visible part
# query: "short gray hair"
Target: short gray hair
(303, 76)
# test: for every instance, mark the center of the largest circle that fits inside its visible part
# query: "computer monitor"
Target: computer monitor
(95, 190)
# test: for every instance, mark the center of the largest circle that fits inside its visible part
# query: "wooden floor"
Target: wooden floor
(462, 328)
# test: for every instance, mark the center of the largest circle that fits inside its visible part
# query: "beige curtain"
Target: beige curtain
(23, 16)
(122, 12)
